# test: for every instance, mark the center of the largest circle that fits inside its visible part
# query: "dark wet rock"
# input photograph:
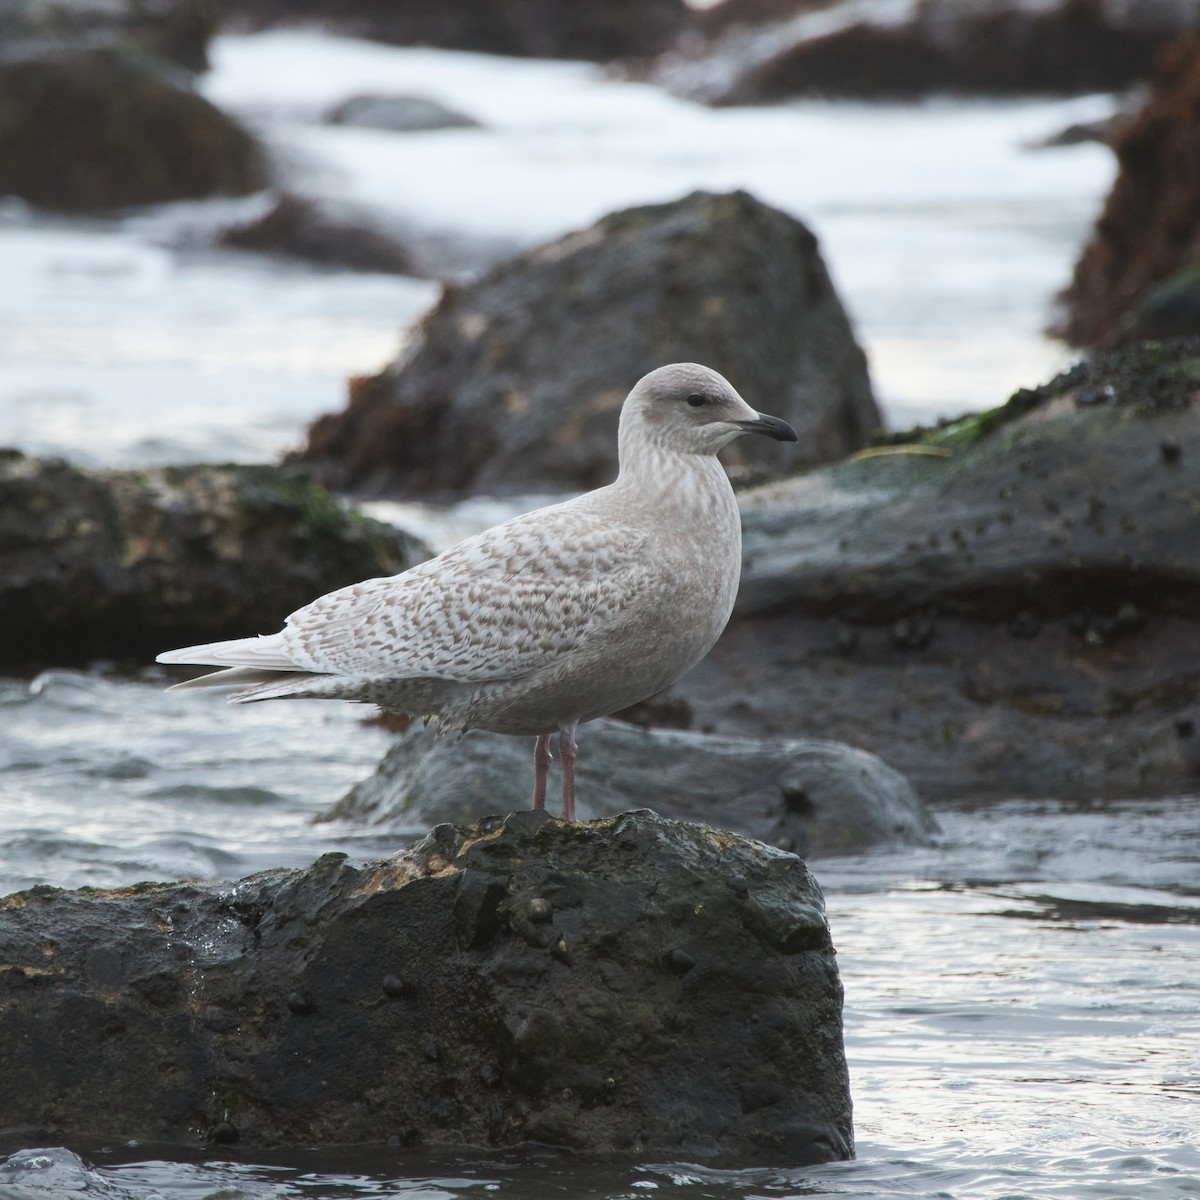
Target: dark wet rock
(82, 130)
(514, 383)
(1050, 556)
(1137, 274)
(296, 227)
(400, 114)
(993, 47)
(578, 1027)
(1106, 131)
(115, 563)
(175, 30)
(811, 797)
(589, 29)
(1170, 309)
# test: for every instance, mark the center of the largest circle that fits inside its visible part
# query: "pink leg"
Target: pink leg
(567, 750)
(541, 767)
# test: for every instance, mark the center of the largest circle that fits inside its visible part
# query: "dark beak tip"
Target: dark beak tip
(772, 427)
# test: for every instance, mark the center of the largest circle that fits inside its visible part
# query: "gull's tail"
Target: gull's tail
(258, 665)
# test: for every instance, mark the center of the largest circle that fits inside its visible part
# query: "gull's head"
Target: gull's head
(691, 409)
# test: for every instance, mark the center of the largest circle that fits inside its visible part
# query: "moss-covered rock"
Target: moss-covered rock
(115, 563)
(1004, 605)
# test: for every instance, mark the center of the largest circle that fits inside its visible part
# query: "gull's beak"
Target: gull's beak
(773, 427)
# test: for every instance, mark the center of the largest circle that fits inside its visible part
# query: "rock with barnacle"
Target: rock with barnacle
(1006, 605)
(633, 985)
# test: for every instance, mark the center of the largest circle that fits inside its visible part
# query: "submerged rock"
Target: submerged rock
(634, 985)
(1006, 605)
(113, 563)
(811, 797)
(296, 227)
(84, 129)
(514, 383)
(400, 114)
(1136, 277)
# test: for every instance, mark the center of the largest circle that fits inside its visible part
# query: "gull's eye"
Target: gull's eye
(696, 400)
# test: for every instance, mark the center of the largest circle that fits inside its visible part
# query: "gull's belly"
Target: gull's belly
(637, 659)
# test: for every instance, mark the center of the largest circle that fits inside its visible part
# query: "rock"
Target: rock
(726, 14)
(990, 47)
(1017, 618)
(589, 29)
(114, 563)
(810, 797)
(636, 985)
(123, 134)
(513, 383)
(175, 30)
(299, 228)
(1170, 309)
(1105, 131)
(1149, 232)
(401, 114)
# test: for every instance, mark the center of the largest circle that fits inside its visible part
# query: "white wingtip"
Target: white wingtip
(263, 653)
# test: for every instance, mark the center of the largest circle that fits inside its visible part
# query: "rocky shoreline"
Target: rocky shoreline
(1005, 605)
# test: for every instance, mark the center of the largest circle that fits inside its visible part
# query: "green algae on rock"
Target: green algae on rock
(1017, 615)
(102, 564)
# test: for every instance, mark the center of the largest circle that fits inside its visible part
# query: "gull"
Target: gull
(550, 619)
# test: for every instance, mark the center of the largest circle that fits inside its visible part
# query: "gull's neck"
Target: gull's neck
(666, 478)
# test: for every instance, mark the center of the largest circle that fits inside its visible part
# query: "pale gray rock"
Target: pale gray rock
(398, 114)
(812, 797)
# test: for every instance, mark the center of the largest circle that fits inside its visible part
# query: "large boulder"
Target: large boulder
(587, 29)
(1137, 274)
(114, 563)
(84, 129)
(811, 797)
(635, 985)
(514, 383)
(988, 47)
(1008, 605)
